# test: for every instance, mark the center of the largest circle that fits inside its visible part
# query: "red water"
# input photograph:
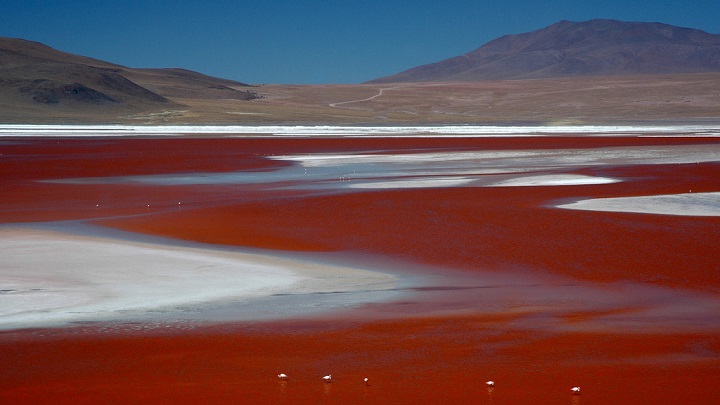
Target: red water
(414, 359)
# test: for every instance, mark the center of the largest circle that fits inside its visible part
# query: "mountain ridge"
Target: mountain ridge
(36, 78)
(594, 47)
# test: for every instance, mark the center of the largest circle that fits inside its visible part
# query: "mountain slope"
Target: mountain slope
(596, 47)
(35, 78)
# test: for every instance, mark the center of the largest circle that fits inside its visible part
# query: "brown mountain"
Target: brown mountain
(36, 79)
(596, 47)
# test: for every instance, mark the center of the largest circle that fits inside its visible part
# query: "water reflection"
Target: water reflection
(327, 389)
(282, 388)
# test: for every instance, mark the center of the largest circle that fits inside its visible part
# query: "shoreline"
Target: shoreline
(351, 131)
(112, 282)
(684, 204)
(93, 278)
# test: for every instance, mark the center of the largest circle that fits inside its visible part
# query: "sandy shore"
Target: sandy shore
(51, 278)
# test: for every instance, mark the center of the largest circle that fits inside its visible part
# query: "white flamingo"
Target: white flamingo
(367, 381)
(282, 376)
(490, 383)
(327, 378)
(575, 390)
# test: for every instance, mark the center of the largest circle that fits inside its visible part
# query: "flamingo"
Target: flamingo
(367, 381)
(282, 376)
(490, 383)
(575, 390)
(327, 378)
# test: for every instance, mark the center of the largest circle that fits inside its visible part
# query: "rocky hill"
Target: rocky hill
(37, 79)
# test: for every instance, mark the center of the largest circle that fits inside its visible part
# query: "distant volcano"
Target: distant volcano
(590, 48)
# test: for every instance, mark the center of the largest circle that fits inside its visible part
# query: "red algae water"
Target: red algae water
(515, 290)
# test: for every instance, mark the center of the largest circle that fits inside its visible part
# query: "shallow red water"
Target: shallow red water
(412, 361)
(409, 360)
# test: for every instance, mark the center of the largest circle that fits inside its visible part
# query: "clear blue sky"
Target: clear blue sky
(310, 41)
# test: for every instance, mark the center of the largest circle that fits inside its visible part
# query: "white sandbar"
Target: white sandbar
(491, 168)
(423, 182)
(687, 204)
(554, 180)
(51, 278)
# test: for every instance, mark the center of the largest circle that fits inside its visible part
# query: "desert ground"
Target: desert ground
(572, 100)
(564, 101)
(182, 266)
(668, 99)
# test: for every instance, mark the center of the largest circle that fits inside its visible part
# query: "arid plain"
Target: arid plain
(564, 101)
(188, 268)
